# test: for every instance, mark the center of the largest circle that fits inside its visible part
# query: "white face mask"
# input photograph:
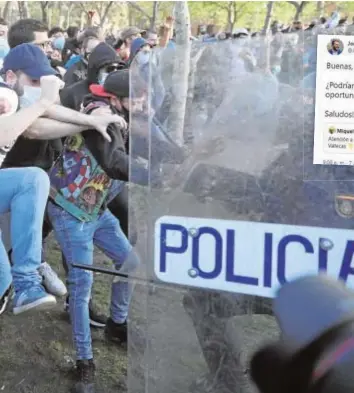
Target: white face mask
(143, 57)
(30, 95)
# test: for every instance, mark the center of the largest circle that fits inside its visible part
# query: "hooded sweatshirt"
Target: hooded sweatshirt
(90, 171)
(103, 55)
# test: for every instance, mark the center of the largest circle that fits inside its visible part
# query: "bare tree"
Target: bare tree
(44, 8)
(23, 9)
(101, 8)
(234, 10)
(103, 11)
(268, 17)
(181, 70)
(68, 13)
(320, 8)
(155, 11)
(151, 18)
(299, 6)
(7, 8)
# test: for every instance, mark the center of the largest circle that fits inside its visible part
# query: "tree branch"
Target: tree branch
(138, 8)
(296, 4)
(105, 14)
(83, 8)
(241, 7)
(44, 4)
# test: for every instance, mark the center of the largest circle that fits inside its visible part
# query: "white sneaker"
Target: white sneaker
(51, 281)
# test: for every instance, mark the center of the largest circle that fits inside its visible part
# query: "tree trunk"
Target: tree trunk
(50, 17)
(44, 8)
(61, 14)
(229, 21)
(23, 9)
(83, 20)
(6, 12)
(268, 17)
(68, 12)
(153, 19)
(299, 10)
(10, 14)
(320, 8)
(130, 16)
(104, 16)
(180, 72)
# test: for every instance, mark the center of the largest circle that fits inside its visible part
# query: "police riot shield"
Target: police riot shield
(223, 210)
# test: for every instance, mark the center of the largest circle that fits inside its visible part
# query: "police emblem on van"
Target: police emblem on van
(345, 205)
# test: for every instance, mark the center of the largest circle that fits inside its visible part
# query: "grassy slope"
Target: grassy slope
(36, 354)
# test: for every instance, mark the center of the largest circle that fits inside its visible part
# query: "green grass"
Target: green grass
(36, 352)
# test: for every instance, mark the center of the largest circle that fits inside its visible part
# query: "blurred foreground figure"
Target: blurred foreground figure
(316, 351)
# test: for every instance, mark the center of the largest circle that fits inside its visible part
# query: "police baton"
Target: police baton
(113, 272)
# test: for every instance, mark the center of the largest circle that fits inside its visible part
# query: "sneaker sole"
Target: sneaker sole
(43, 304)
(55, 293)
(95, 324)
(4, 304)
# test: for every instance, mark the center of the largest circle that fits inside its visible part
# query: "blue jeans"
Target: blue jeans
(24, 193)
(77, 240)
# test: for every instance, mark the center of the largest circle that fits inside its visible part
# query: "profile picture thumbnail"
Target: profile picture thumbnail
(332, 130)
(335, 47)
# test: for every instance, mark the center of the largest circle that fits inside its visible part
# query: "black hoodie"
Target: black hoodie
(103, 55)
(112, 156)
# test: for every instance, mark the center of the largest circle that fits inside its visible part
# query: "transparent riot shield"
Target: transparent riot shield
(225, 218)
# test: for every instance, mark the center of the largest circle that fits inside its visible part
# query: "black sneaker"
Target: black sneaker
(85, 377)
(96, 320)
(4, 301)
(117, 332)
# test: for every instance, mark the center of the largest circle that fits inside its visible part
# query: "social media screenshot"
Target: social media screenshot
(334, 111)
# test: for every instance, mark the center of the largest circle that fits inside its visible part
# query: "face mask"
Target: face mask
(4, 48)
(59, 43)
(143, 57)
(30, 95)
(102, 78)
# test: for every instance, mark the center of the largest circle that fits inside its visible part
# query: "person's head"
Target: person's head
(72, 31)
(343, 21)
(29, 31)
(89, 32)
(88, 45)
(57, 36)
(151, 37)
(323, 20)
(211, 30)
(129, 34)
(240, 34)
(56, 32)
(121, 95)
(297, 25)
(102, 61)
(140, 51)
(23, 67)
(3, 28)
(335, 45)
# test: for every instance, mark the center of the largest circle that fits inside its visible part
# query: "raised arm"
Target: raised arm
(11, 127)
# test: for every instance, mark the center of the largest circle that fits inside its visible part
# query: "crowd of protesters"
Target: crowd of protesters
(65, 101)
